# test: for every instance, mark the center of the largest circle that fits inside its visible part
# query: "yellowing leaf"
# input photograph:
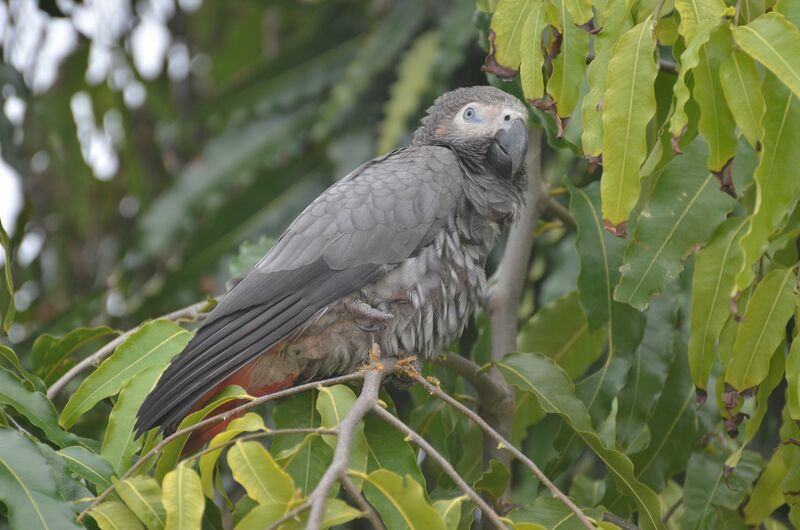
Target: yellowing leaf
(255, 469)
(741, 85)
(531, 53)
(401, 501)
(333, 404)
(689, 60)
(569, 66)
(154, 344)
(776, 183)
(208, 462)
(762, 329)
(774, 42)
(508, 22)
(142, 495)
(183, 499)
(114, 515)
(628, 106)
(450, 510)
(694, 12)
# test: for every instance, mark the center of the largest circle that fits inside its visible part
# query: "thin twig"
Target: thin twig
(192, 312)
(221, 417)
(373, 375)
(432, 453)
(290, 515)
(502, 444)
(619, 521)
(369, 512)
(262, 434)
(557, 210)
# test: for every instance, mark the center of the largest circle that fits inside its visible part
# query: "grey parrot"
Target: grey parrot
(392, 254)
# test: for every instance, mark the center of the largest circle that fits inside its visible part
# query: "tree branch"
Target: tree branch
(192, 312)
(502, 444)
(373, 375)
(487, 510)
(217, 418)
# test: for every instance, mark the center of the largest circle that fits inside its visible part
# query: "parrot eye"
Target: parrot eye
(469, 114)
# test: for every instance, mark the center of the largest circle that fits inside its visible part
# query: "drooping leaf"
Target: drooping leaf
(51, 356)
(508, 22)
(119, 441)
(694, 12)
(250, 422)
(612, 20)
(776, 185)
(579, 10)
(538, 375)
(741, 85)
(767, 495)
(154, 344)
(333, 404)
(92, 467)
(183, 499)
(255, 469)
(628, 106)
(142, 495)
(793, 380)
(762, 329)
(531, 53)
(715, 272)
(716, 122)
(8, 278)
(28, 487)
(774, 42)
(570, 64)
(400, 501)
(560, 331)
(450, 510)
(114, 515)
(684, 209)
(35, 407)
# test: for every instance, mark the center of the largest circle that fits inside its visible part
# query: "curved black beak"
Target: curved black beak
(507, 151)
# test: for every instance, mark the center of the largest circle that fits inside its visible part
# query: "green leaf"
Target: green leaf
(401, 501)
(494, 480)
(28, 487)
(570, 64)
(250, 422)
(546, 513)
(51, 356)
(333, 404)
(255, 469)
(35, 407)
(508, 22)
(560, 331)
(92, 467)
(774, 42)
(613, 19)
(694, 12)
(413, 81)
(450, 510)
(714, 277)
(336, 512)
(142, 495)
(776, 187)
(120, 442)
(183, 499)
(716, 122)
(741, 85)
(762, 329)
(682, 212)
(388, 449)
(249, 254)
(153, 344)
(580, 10)
(114, 515)
(789, 9)
(689, 60)
(531, 53)
(767, 494)
(793, 380)
(8, 319)
(629, 103)
(538, 375)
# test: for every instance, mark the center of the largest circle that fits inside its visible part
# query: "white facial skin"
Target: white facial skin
(479, 116)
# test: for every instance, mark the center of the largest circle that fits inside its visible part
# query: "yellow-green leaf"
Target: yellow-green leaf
(333, 404)
(689, 60)
(741, 85)
(142, 495)
(531, 53)
(614, 17)
(255, 469)
(774, 42)
(776, 183)
(183, 499)
(450, 510)
(579, 10)
(114, 515)
(153, 344)
(508, 22)
(336, 512)
(208, 462)
(401, 501)
(694, 12)
(629, 104)
(762, 329)
(767, 495)
(789, 9)
(570, 64)
(793, 380)
(714, 277)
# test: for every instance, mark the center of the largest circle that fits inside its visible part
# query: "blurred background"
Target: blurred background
(142, 142)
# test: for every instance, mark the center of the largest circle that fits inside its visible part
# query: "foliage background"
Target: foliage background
(149, 140)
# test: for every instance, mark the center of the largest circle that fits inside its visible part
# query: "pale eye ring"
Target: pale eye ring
(469, 114)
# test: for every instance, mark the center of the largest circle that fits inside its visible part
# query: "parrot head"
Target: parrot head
(485, 126)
